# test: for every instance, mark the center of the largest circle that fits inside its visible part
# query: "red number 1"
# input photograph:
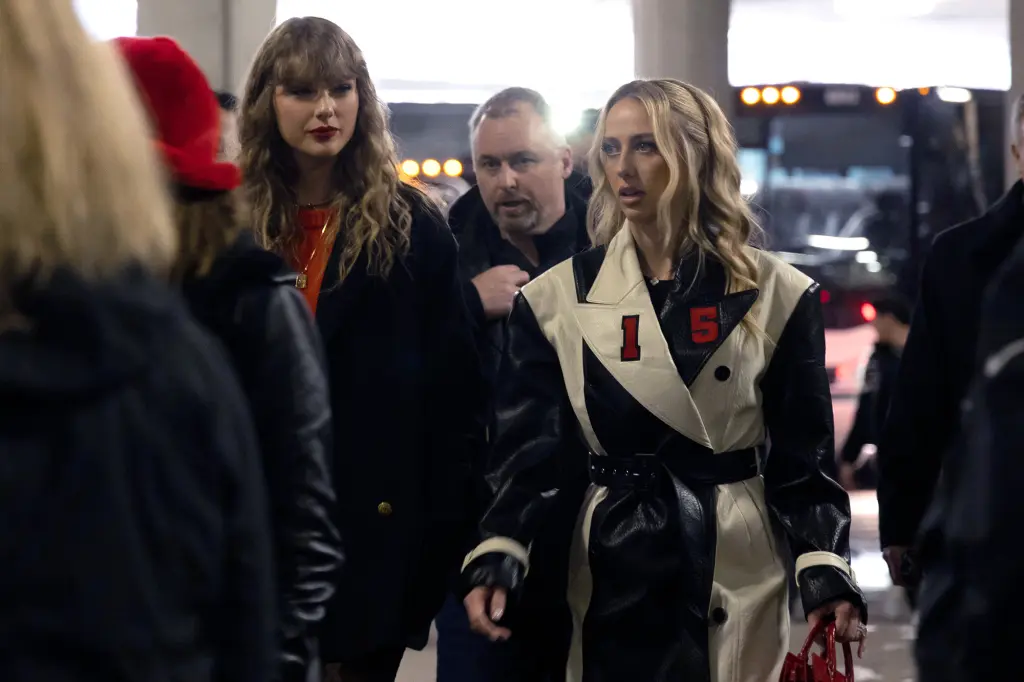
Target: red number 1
(630, 338)
(704, 324)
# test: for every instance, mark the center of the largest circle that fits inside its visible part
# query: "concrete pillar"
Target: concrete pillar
(222, 35)
(1016, 22)
(687, 40)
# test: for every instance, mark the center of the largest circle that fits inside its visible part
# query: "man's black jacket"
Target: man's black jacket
(938, 363)
(481, 247)
(970, 597)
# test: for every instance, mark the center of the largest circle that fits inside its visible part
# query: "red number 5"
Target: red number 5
(704, 324)
(630, 338)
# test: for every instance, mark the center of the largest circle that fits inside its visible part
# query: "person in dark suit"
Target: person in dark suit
(936, 369)
(527, 213)
(135, 542)
(378, 265)
(970, 598)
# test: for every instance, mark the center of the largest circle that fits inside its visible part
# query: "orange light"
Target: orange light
(868, 312)
(885, 95)
(410, 168)
(842, 372)
(790, 94)
(924, 91)
(770, 95)
(452, 168)
(431, 168)
(750, 96)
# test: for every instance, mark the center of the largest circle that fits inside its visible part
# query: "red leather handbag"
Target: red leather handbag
(808, 667)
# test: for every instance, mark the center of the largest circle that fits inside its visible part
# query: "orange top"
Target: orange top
(310, 255)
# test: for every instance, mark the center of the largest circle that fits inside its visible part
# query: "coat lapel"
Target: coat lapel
(620, 325)
(700, 316)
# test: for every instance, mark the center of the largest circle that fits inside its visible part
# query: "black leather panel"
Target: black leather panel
(585, 267)
(821, 584)
(651, 558)
(698, 315)
(622, 425)
(812, 508)
(535, 460)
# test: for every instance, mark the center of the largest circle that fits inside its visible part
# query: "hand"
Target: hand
(847, 477)
(498, 287)
(894, 559)
(484, 606)
(848, 625)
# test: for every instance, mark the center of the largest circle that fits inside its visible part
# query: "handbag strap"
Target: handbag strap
(831, 661)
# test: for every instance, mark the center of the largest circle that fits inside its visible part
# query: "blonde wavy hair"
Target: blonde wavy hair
(80, 186)
(375, 217)
(703, 197)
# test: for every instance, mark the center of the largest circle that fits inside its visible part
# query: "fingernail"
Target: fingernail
(498, 613)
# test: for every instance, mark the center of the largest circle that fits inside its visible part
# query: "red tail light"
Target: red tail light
(868, 312)
(825, 296)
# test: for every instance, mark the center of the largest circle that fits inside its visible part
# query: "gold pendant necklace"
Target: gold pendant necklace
(302, 280)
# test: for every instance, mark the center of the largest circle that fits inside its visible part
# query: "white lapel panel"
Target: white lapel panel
(619, 293)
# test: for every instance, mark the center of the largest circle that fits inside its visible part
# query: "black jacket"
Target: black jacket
(938, 363)
(248, 300)
(133, 521)
(405, 393)
(481, 247)
(970, 598)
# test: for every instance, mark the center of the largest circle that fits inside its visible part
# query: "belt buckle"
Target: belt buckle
(644, 478)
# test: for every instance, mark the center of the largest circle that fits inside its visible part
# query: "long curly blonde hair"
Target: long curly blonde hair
(374, 216)
(699, 147)
(83, 191)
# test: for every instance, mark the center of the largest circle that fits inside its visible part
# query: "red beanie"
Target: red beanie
(183, 110)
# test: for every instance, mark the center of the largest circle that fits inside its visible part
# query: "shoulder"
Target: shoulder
(781, 290)
(778, 275)
(430, 233)
(951, 242)
(565, 284)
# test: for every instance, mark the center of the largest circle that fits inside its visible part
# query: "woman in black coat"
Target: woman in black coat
(377, 263)
(133, 518)
(244, 295)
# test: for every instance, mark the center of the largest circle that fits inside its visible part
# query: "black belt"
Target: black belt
(704, 468)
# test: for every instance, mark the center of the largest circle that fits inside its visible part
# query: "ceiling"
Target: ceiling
(942, 10)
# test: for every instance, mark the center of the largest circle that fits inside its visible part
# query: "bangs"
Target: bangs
(323, 62)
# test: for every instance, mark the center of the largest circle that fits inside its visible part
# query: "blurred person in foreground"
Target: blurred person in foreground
(134, 538)
(892, 324)
(244, 295)
(970, 599)
(936, 368)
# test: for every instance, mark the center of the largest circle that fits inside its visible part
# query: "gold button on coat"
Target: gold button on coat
(385, 509)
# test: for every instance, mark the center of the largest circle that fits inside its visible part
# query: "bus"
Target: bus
(852, 183)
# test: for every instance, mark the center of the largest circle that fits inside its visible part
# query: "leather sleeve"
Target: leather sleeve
(244, 625)
(919, 427)
(812, 508)
(291, 406)
(526, 467)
